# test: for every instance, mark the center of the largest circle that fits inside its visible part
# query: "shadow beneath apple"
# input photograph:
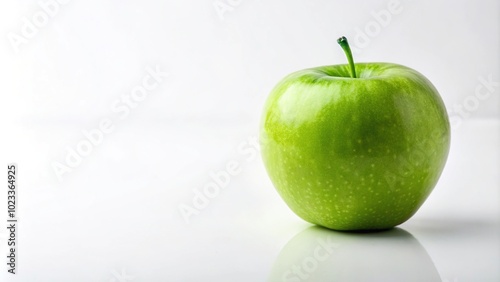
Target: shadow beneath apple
(454, 226)
(319, 254)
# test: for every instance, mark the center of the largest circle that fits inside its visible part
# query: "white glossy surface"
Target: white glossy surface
(119, 210)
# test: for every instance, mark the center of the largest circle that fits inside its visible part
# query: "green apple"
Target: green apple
(355, 146)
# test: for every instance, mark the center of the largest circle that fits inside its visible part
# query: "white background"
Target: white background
(115, 216)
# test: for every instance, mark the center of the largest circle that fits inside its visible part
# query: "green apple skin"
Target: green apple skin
(355, 153)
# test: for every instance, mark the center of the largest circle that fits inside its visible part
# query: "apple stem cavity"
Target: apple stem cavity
(342, 41)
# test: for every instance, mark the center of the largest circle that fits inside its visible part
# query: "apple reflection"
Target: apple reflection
(319, 254)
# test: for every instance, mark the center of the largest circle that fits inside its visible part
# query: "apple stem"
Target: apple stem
(342, 41)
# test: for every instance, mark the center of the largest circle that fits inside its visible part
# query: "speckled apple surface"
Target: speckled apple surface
(355, 153)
